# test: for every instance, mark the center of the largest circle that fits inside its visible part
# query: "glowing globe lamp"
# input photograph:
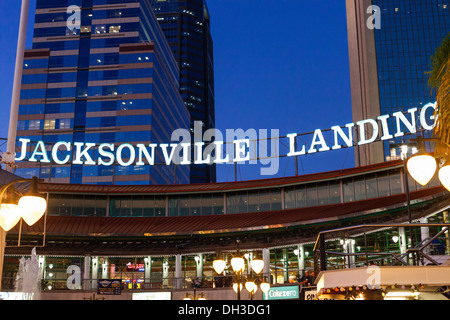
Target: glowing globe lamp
(238, 264)
(32, 205)
(444, 176)
(10, 215)
(251, 286)
(265, 287)
(257, 265)
(235, 287)
(33, 208)
(219, 265)
(422, 167)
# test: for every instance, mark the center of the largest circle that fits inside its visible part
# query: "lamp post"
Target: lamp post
(238, 266)
(8, 157)
(30, 208)
(422, 166)
(404, 154)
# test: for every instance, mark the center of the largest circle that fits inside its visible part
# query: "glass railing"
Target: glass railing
(382, 245)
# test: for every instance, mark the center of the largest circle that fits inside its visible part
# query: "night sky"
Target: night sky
(279, 64)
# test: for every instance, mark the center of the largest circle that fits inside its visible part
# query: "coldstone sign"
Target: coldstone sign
(200, 148)
(282, 293)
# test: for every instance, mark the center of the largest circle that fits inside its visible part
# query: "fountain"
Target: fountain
(28, 280)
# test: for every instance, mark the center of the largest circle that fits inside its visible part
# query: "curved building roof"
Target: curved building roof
(190, 234)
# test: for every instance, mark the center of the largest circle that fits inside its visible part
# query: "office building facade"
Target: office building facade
(186, 25)
(391, 43)
(100, 72)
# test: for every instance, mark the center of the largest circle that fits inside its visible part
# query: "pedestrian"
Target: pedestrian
(305, 280)
(196, 283)
(311, 279)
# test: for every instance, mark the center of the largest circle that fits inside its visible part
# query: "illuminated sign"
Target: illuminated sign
(216, 152)
(151, 296)
(282, 293)
(135, 267)
(109, 286)
(16, 296)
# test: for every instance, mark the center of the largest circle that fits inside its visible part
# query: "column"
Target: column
(178, 272)
(266, 259)
(94, 275)
(351, 250)
(147, 272)
(286, 266)
(105, 268)
(424, 231)
(447, 239)
(41, 260)
(301, 257)
(199, 260)
(41, 263)
(86, 275)
(165, 272)
(402, 239)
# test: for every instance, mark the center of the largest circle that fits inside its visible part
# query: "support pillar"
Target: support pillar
(165, 272)
(41, 261)
(86, 275)
(178, 272)
(147, 272)
(266, 259)
(447, 239)
(402, 239)
(301, 258)
(199, 261)
(94, 275)
(351, 250)
(286, 266)
(424, 231)
(105, 268)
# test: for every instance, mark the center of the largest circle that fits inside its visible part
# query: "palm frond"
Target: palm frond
(440, 81)
(439, 63)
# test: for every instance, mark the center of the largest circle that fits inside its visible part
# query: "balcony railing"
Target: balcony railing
(328, 255)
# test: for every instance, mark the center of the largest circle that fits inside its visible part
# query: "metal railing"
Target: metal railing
(136, 284)
(417, 254)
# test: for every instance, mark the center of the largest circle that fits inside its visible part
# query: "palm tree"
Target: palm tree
(440, 81)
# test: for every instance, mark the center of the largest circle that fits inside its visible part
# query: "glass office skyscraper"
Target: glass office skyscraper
(389, 63)
(186, 25)
(100, 71)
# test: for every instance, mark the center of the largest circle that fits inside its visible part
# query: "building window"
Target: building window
(114, 29)
(49, 124)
